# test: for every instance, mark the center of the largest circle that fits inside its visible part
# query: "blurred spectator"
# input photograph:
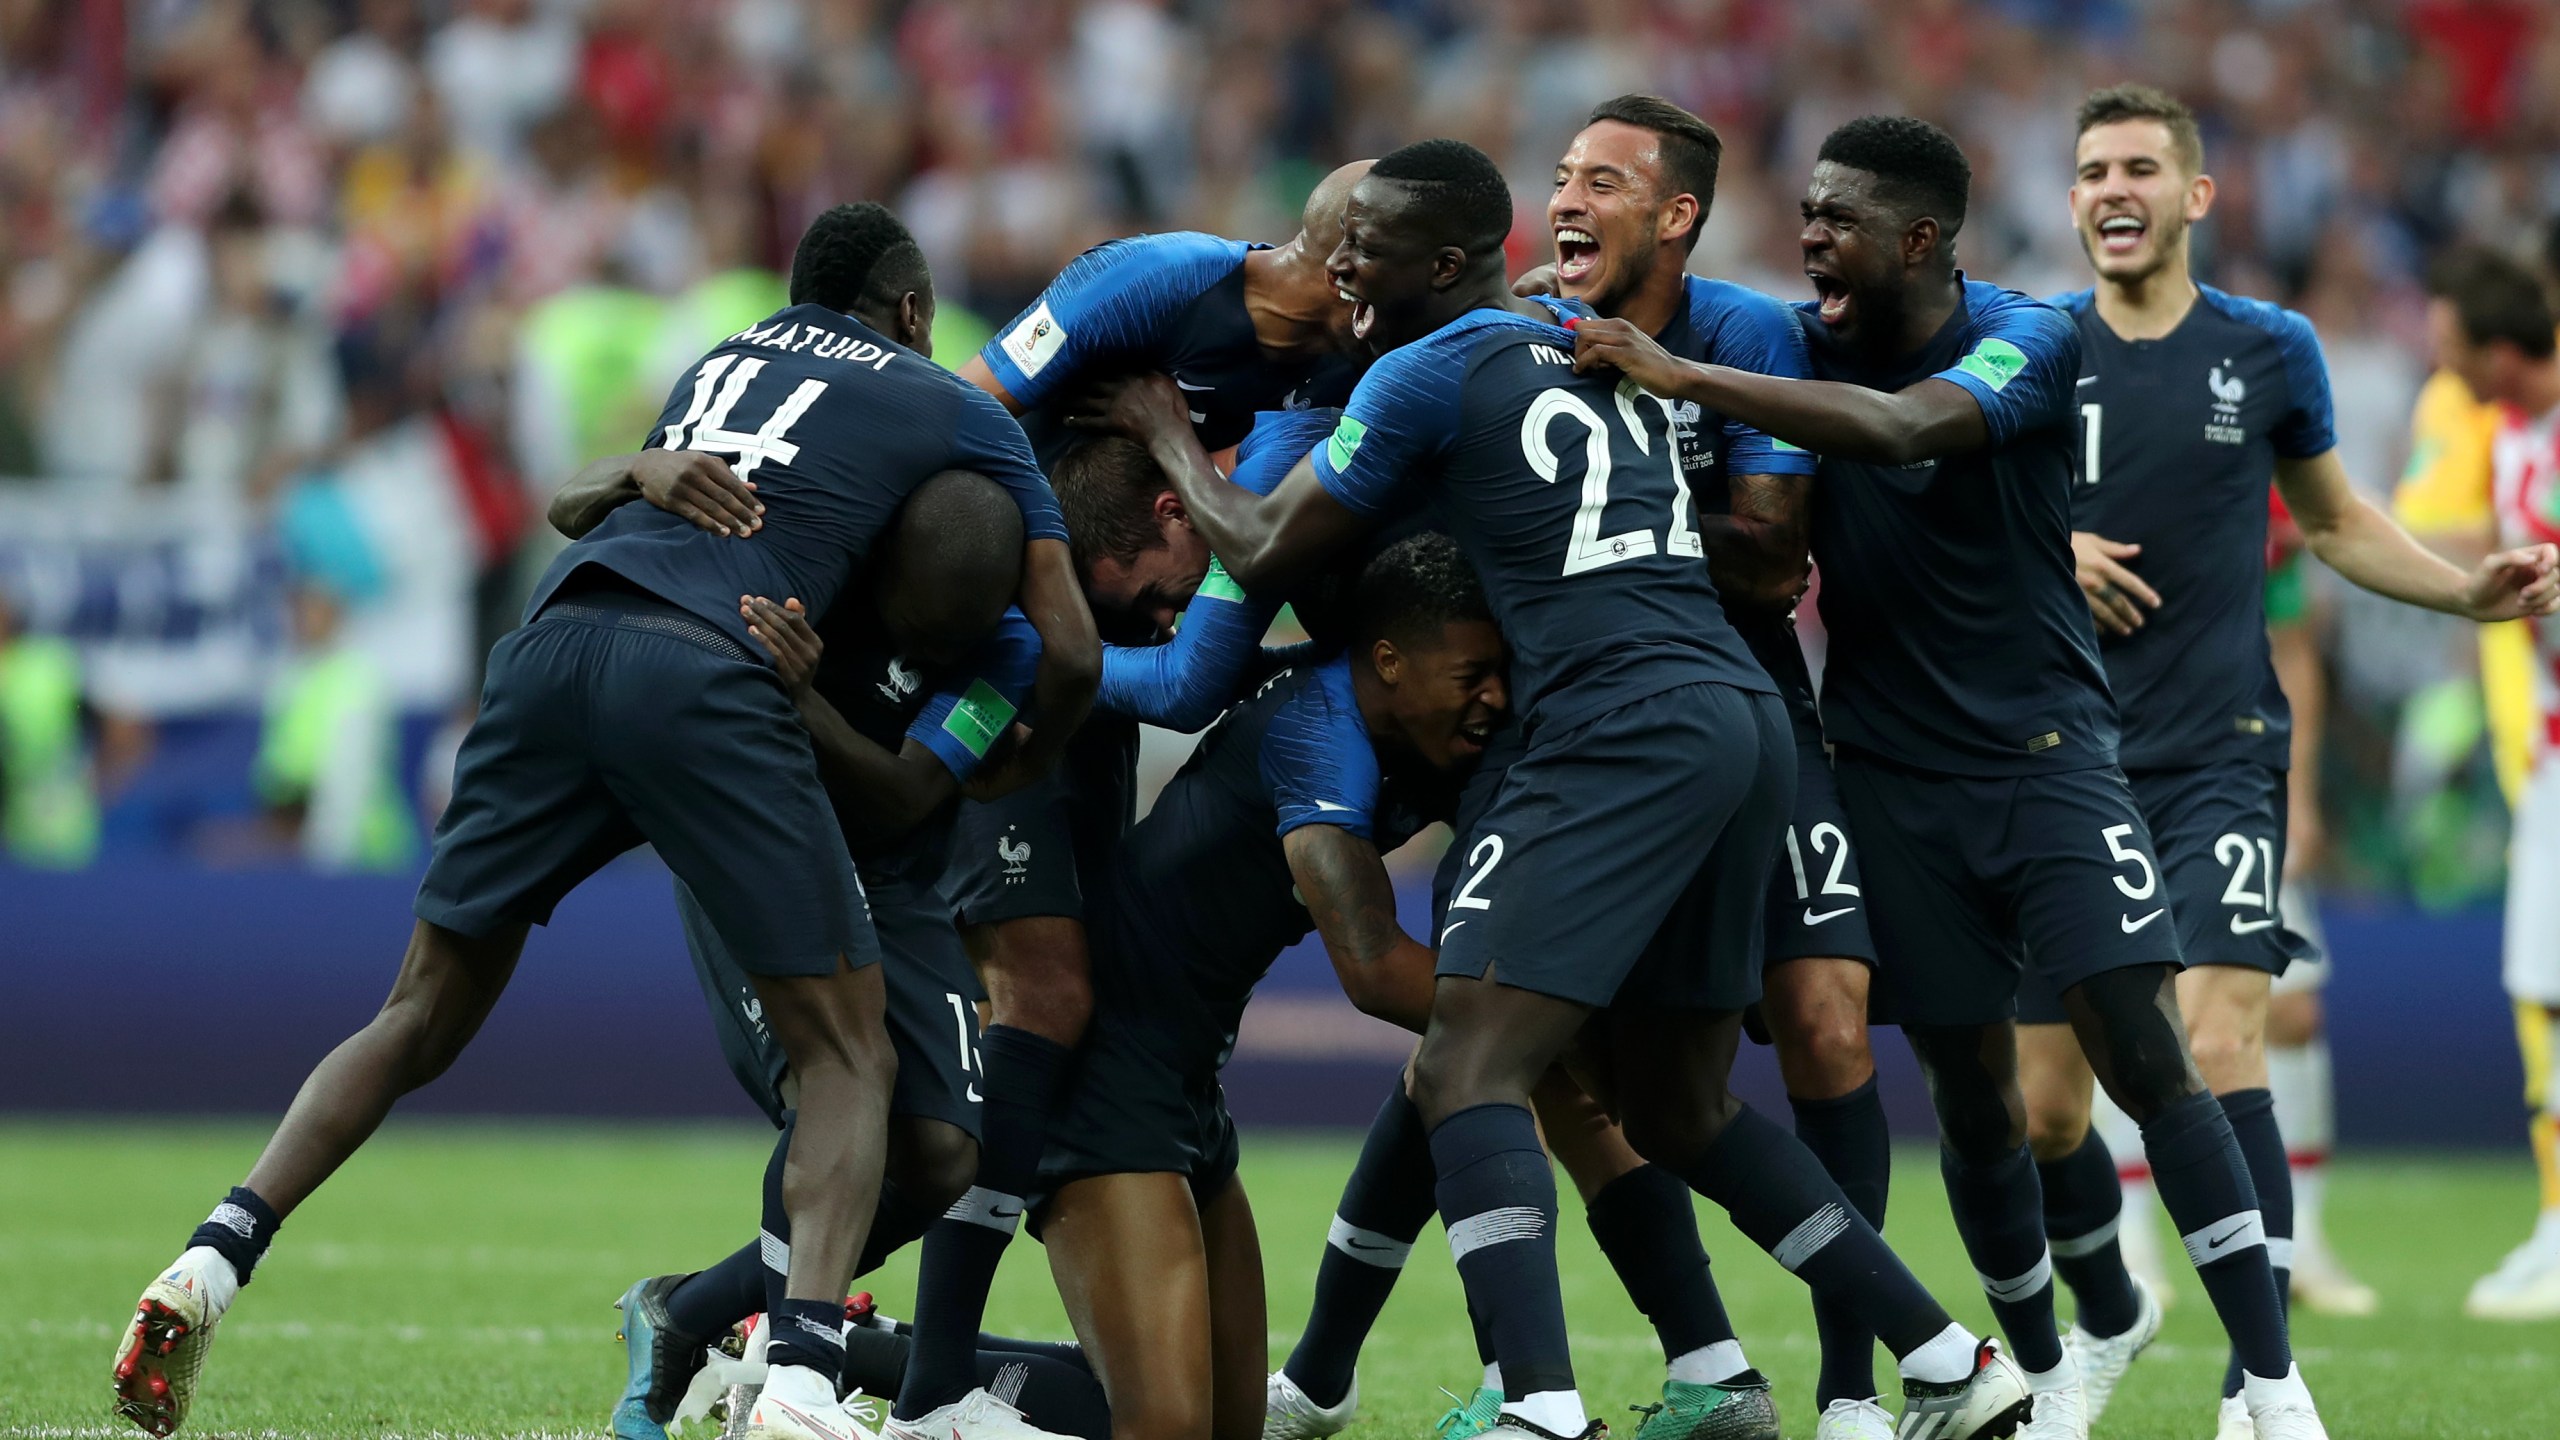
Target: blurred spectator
(48, 811)
(327, 773)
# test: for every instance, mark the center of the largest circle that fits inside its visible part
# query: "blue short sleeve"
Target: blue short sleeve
(1317, 763)
(1278, 441)
(1114, 299)
(963, 721)
(987, 440)
(2022, 364)
(1751, 331)
(1403, 414)
(2309, 424)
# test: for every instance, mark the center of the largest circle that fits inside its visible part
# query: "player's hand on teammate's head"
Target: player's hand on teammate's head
(785, 633)
(2117, 596)
(701, 488)
(1541, 281)
(1616, 345)
(1007, 768)
(2516, 583)
(1139, 406)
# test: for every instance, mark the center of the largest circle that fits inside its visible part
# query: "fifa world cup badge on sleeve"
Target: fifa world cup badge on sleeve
(1035, 340)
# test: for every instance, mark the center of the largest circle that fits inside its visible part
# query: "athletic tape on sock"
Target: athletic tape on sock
(1497, 1226)
(2280, 1251)
(2225, 1237)
(993, 1209)
(2021, 1286)
(775, 1250)
(1811, 1233)
(1369, 1247)
(2089, 1244)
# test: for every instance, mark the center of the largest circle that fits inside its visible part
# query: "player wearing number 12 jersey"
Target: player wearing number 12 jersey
(633, 708)
(1620, 862)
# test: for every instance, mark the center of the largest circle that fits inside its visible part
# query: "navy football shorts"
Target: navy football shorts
(614, 719)
(1974, 879)
(1040, 850)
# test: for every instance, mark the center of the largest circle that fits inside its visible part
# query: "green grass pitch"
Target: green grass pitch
(456, 1280)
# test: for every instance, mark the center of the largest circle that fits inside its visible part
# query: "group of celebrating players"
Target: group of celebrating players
(844, 664)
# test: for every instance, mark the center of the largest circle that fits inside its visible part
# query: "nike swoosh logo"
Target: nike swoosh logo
(1196, 417)
(2216, 1242)
(995, 1214)
(2083, 380)
(1329, 805)
(2130, 924)
(1452, 930)
(1356, 1245)
(1194, 389)
(2248, 927)
(812, 1423)
(1812, 919)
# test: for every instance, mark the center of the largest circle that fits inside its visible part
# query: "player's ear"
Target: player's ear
(1681, 217)
(1919, 241)
(1386, 660)
(1448, 267)
(1168, 506)
(2200, 192)
(915, 323)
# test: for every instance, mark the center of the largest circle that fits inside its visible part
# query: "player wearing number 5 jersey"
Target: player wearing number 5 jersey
(1619, 866)
(1977, 740)
(2191, 402)
(634, 707)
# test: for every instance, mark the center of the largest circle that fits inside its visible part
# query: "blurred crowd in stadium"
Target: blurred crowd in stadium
(305, 304)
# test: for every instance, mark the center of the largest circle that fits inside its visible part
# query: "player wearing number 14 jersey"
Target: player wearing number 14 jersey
(1620, 862)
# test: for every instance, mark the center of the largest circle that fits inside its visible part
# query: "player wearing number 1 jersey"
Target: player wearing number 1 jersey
(2191, 401)
(1619, 864)
(1977, 740)
(633, 708)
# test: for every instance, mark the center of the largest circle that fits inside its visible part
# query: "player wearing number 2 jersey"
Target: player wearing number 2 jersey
(1620, 862)
(632, 708)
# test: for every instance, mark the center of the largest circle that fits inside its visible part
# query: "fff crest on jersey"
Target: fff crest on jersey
(2228, 391)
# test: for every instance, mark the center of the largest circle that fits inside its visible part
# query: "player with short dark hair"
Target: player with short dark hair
(644, 620)
(1274, 826)
(2192, 402)
(1976, 740)
(1565, 490)
(1244, 329)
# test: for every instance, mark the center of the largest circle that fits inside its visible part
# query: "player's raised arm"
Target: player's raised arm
(694, 484)
(1384, 971)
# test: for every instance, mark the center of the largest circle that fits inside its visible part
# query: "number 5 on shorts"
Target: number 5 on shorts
(2115, 836)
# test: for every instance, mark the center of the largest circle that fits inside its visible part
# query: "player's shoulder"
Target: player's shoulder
(2289, 329)
(1989, 305)
(1278, 440)
(1716, 301)
(1172, 259)
(2075, 303)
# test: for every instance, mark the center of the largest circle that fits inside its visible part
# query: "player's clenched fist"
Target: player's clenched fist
(1617, 345)
(700, 487)
(2515, 583)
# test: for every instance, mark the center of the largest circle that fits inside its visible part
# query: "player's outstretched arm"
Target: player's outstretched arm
(2353, 536)
(1386, 972)
(1924, 421)
(888, 795)
(1070, 652)
(698, 486)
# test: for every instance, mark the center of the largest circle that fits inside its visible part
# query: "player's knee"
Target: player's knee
(1677, 1135)
(1162, 1412)
(2054, 1128)
(937, 1162)
(2228, 1058)
(1822, 1050)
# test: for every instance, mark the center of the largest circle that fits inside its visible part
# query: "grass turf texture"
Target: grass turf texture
(457, 1280)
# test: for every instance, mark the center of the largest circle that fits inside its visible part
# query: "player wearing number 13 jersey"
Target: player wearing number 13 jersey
(1620, 863)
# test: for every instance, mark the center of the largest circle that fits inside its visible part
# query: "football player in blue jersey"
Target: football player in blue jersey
(1242, 328)
(1976, 739)
(1650, 735)
(2191, 401)
(833, 408)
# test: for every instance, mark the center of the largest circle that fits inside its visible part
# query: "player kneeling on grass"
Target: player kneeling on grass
(1275, 826)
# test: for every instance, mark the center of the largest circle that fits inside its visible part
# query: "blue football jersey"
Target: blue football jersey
(1172, 303)
(835, 424)
(2179, 441)
(1567, 494)
(1960, 641)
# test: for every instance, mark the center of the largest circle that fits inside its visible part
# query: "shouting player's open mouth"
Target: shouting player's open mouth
(1577, 254)
(2121, 234)
(1363, 314)
(1473, 735)
(1831, 295)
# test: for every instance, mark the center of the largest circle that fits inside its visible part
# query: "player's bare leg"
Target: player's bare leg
(1815, 1008)
(1131, 1261)
(447, 984)
(1667, 1071)
(1239, 1313)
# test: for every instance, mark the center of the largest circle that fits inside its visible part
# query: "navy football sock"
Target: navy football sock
(2083, 1206)
(961, 1250)
(241, 1227)
(2202, 1178)
(1778, 1195)
(1648, 1227)
(775, 1241)
(710, 1302)
(2000, 1213)
(898, 1221)
(2252, 1114)
(807, 1332)
(1848, 1135)
(1385, 1204)
(1498, 1198)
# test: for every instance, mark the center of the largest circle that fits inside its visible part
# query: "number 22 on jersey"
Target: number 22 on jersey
(1589, 549)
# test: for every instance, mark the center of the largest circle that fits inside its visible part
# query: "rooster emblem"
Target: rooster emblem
(2228, 390)
(1016, 854)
